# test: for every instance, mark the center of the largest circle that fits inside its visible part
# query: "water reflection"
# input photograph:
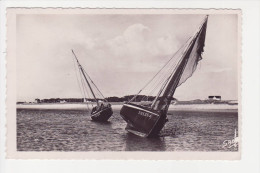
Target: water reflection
(136, 143)
(105, 123)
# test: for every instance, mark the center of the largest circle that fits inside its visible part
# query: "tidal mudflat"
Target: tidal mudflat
(73, 130)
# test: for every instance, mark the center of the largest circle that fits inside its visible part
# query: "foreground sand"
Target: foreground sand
(73, 130)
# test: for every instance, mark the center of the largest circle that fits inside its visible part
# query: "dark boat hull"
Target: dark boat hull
(142, 121)
(102, 115)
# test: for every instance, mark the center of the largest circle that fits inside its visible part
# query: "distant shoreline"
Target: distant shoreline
(118, 105)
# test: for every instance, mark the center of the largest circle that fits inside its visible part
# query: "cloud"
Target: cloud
(134, 40)
(139, 47)
(90, 43)
(216, 68)
(220, 70)
(167, 44)
(120, 53)
(136, 33)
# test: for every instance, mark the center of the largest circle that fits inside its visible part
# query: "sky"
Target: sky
(121, 53)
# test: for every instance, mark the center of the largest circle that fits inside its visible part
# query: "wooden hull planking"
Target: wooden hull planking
(142, 121)
(102, 115)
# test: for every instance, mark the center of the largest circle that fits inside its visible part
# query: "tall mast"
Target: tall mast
(173, 83)
(175, 78)
(82, 71)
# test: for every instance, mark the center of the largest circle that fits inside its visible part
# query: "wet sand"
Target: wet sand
(73, 130)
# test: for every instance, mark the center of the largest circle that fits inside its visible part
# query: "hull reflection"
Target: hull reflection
(137, 143)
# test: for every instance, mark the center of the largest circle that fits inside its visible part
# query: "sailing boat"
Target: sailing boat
(148, 120)
(102, 111)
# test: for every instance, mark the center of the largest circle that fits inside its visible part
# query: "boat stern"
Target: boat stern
(141, 120)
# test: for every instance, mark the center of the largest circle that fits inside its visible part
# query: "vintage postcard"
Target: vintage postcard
(153, 84)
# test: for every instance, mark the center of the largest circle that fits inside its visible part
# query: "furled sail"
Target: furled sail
(184, 69)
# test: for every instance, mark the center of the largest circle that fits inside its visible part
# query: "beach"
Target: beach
(117, 106)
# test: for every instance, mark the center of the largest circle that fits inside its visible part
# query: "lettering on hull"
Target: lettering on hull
(145, 114)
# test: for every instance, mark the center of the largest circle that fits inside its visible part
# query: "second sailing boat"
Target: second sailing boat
(102, 111)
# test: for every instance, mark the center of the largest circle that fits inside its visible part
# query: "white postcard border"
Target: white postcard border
(11, 93)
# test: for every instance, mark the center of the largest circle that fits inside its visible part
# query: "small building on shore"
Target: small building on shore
(214, 98)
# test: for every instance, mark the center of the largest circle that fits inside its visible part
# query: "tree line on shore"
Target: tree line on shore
(138, 98)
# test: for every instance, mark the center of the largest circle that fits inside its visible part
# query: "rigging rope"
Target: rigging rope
(162, 78)
(84, 88)
(77, 77)
(164, 73)
(160, 70)
(95, 85)
(81, 87)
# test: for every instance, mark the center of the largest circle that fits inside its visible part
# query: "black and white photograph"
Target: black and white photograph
(125, 81)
